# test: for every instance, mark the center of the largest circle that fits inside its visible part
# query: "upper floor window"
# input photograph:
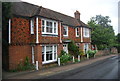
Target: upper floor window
(86, 32)
(49, 27)
(65, 30)
(77, 32)
(32, 26)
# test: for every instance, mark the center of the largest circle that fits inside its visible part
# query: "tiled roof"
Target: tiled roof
(30, 10)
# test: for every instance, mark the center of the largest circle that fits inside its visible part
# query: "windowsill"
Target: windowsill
(65, 35)
(86, 37)
(47, 62)
(52, 35)
(77, 36)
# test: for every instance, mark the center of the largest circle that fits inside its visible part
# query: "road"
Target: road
(104, 69)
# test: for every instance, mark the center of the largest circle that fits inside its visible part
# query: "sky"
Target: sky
(87, 8)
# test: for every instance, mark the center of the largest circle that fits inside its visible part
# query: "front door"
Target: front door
(86, 47)
(65, 47)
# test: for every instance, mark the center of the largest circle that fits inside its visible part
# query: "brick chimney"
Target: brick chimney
(77, 15)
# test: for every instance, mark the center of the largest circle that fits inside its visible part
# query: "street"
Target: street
(104, 69)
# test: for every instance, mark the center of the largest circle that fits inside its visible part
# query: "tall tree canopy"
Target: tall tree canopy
(102, 33)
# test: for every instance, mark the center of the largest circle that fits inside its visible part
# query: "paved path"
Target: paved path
(51, 71)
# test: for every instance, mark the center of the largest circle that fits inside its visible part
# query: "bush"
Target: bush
(26, 66)
(64, 57)
(91, 53)
(81, 52)
(73, 49)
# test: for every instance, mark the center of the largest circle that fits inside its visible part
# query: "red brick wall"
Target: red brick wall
(60, 47)
(86, 39)
(20, 30)
(71, 34)
(18, 54)
(38, 54)
(21, 33)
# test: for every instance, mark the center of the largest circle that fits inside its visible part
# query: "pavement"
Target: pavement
(37, 74)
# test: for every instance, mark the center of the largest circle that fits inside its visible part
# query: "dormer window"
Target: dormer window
(77, 32)
(65, 30)
(32, 26)
(86, 32)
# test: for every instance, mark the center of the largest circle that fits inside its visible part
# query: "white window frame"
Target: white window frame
(77, 35)
(86, 32)
(32, 26)
(67, 31)
(53, 33)
(53, 52)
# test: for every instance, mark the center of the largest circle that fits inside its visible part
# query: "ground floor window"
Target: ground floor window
(49, 53)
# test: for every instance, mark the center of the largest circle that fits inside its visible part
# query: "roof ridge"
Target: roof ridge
(59, 12)
(46, 8)
(30, 3)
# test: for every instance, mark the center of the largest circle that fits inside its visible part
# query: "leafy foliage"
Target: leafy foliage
(81, 52)
(118, 42)
(27, 65)
(101, 20)
(64, 57)
(91, 53)
(73, 49)
(102, 33)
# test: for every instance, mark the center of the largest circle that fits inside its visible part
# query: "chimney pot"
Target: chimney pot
(77, 15)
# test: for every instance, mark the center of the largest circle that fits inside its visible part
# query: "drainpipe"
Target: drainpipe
(60, 33)
(81, 34)
(37, 30)
(9, 31)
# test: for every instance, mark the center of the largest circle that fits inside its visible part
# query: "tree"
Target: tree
(101, 20)
(102, 33)
(118, 42)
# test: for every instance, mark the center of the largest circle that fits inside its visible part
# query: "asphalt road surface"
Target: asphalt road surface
(104, 69)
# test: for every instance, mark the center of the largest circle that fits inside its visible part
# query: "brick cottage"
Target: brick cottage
(41, 34)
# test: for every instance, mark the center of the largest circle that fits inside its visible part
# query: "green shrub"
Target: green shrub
(73, 49)
(26, 66)
(76, 60)
(64, 57)
(91, 53)
(81, 52)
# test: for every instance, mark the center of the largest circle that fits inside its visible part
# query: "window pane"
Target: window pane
(43, 26)
(48, 57)
(55, 51)
(43, 55)
(77, 31)
(65, 31)
(48, 53)
(49, 27)
(47, 23)
(54, 27)
(43, 22)
(54, 56)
